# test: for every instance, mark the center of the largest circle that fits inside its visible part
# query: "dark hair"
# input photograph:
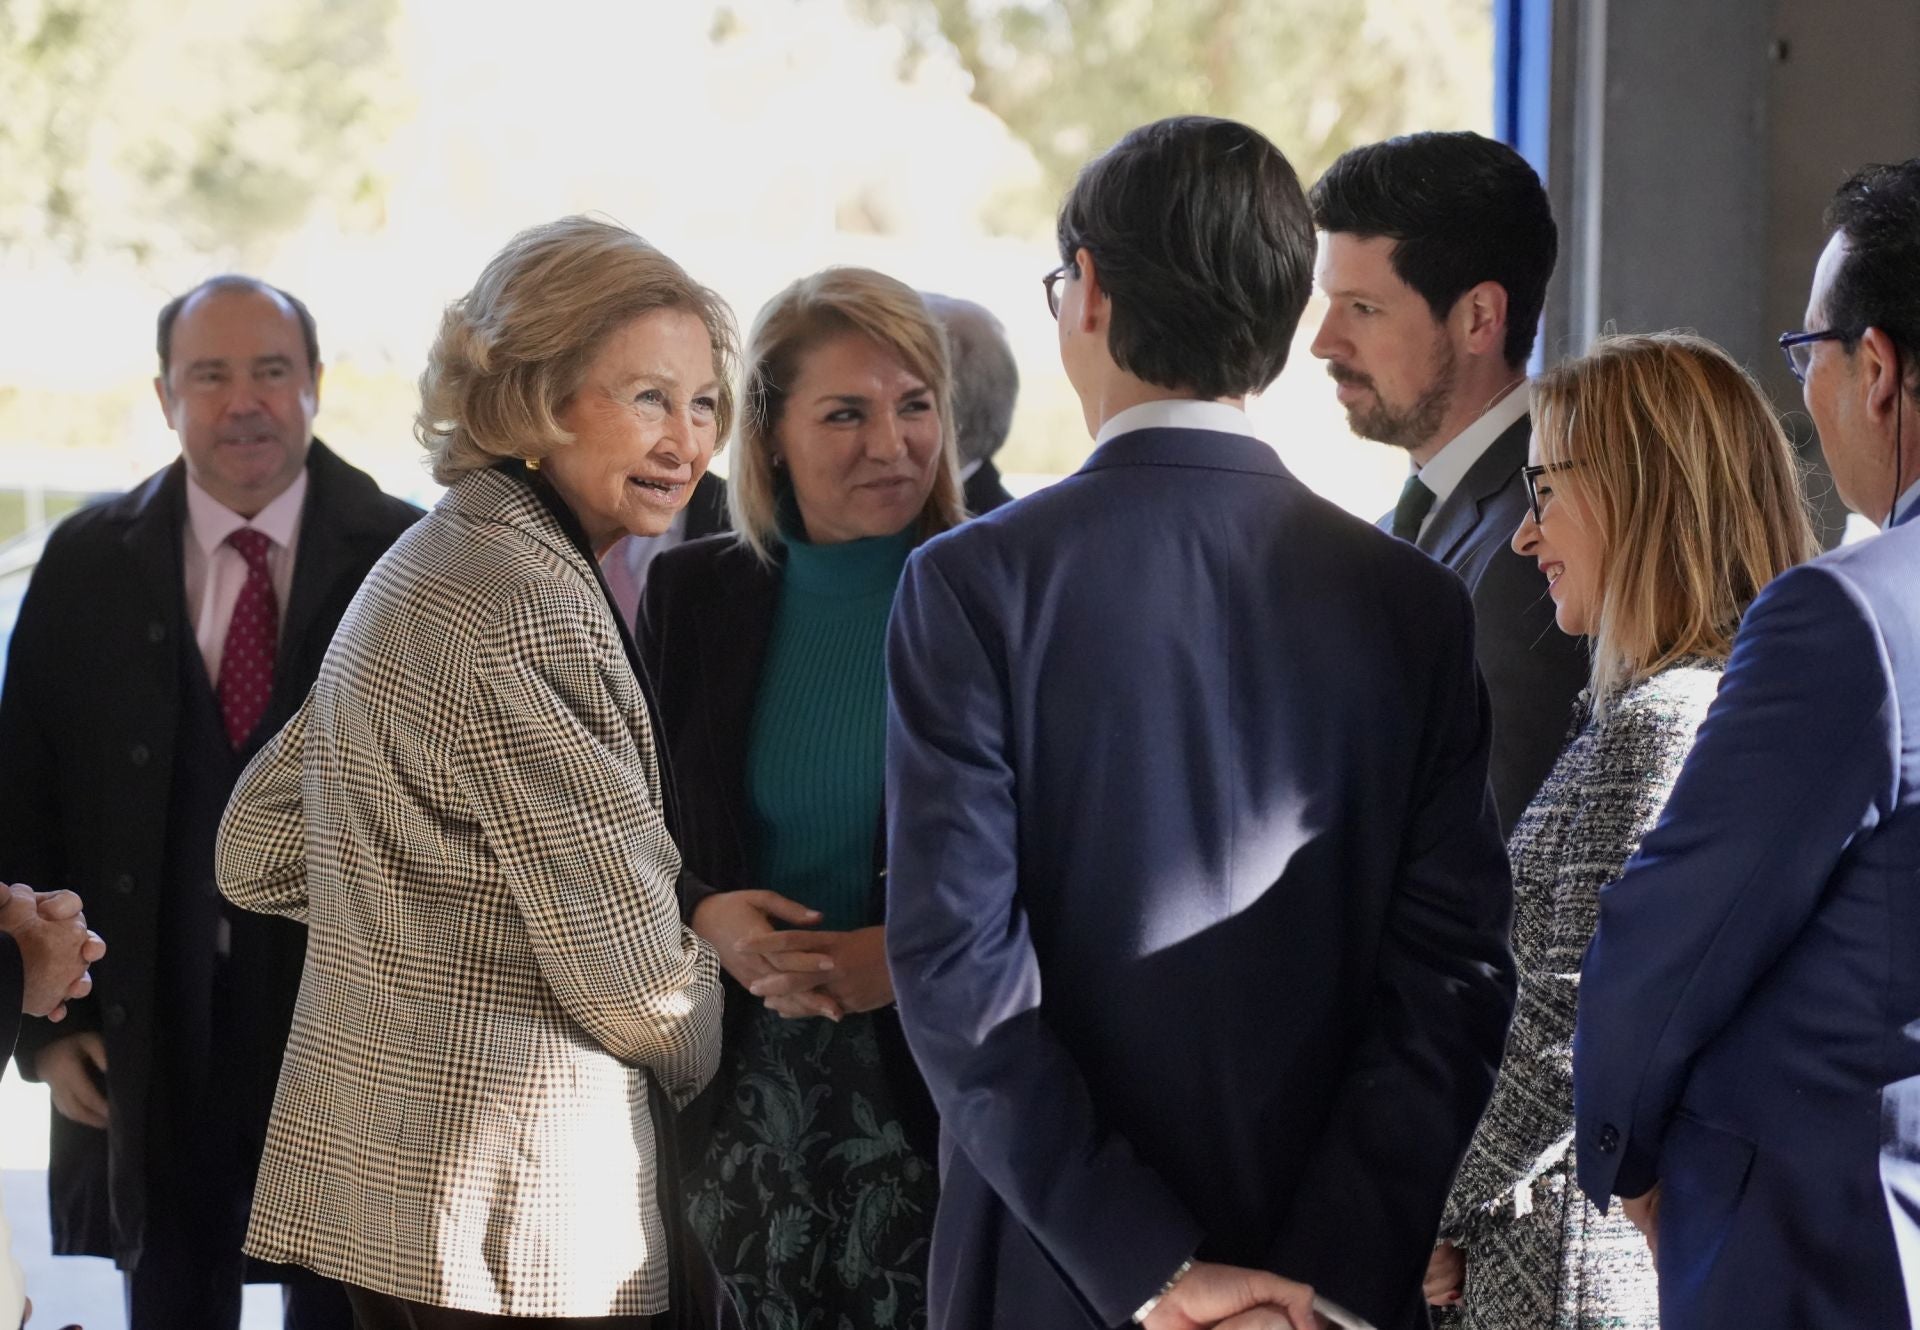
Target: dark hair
(170, 312)
(986, 380)
(1878, 281)
(1204, 242)
(1462, 209)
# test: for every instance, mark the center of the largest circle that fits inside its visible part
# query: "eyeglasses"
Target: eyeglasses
(1538, 494)
(1797, 347)
(1052, 282)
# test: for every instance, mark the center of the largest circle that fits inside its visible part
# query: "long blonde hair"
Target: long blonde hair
(1678, 458)
(811, 311)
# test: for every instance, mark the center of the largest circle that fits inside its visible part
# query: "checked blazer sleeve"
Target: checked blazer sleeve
(261, 856)
(540, 758)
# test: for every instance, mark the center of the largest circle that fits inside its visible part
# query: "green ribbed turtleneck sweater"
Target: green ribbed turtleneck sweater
(816, 754)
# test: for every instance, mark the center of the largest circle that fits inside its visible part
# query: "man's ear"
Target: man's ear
(1480, 319)
(166, 402)
(1095, 307)
(1880, 364)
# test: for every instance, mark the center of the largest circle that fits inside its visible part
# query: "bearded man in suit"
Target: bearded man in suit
(1437, 252)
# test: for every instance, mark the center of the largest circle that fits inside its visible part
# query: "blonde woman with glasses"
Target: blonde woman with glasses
(1663, 497)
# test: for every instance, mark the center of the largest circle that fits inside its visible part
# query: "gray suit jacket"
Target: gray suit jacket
(1534, 672)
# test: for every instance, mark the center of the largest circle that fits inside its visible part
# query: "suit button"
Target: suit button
(115, 1016)
(139, 755)
(1609, 1139)
(156, 632)
(124, 884)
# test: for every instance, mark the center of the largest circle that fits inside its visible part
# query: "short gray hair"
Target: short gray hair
(985, 378)
(512, 351)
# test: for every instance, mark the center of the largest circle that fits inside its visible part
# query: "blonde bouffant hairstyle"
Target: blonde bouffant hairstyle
(511, 353)
(1676, 455)
(813, 310)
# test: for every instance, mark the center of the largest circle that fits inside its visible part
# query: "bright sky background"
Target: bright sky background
(751, 161)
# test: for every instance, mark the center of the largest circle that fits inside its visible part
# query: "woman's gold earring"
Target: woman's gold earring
(531, 463)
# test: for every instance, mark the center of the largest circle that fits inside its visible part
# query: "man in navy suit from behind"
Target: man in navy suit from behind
(1747, 1060)
(1198, 907)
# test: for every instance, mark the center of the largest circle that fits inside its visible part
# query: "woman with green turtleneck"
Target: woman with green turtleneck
(814, 1185)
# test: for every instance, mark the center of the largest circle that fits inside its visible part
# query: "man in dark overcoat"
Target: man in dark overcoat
(166, 634)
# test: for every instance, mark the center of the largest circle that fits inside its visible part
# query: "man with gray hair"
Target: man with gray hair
(985, 384)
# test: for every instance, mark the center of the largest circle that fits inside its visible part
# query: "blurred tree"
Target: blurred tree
(206, 126)
(1316, 76)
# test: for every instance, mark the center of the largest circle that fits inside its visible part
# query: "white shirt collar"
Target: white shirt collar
(1904, 502)
(1177, 413)
(1447, 468)
(212, 521)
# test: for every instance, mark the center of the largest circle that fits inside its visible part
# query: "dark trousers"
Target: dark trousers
(382, 1311)
(204, 1138)
(192, 1292)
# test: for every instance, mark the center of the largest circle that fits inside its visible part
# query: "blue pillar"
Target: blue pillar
(1522, 76)
(1522, 98)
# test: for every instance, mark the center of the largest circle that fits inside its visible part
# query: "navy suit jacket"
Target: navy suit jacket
(1747, 1032)
(1197, 908)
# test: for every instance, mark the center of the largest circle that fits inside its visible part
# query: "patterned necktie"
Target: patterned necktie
(1416, 501)
(246, 662)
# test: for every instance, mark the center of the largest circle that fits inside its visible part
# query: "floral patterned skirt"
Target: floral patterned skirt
(809, 1197)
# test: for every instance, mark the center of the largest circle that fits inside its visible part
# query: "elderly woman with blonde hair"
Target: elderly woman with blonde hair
(470, 815)
(1663, 497)
(815, 1188)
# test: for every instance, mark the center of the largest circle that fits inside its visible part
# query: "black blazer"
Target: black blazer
(983, 491)
(704, 623)
(707, 510)
(89, 720)
(1534, 672)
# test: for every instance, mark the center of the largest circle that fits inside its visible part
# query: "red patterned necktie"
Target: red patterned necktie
(246, 662)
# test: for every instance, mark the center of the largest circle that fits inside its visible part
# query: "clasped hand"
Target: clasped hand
(56, 947)
(797, 971)
(1644, 1212)
(1226, 1297)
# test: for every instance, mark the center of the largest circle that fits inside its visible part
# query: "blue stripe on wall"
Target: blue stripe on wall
(1522, 76)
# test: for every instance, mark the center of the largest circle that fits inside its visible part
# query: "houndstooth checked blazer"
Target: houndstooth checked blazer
(466, 814)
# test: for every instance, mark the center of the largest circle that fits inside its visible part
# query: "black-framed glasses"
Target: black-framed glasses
(1537, 494)
(1797, 347)
(1052, 282)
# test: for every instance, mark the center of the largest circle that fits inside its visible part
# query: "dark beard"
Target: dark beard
(1416, 425)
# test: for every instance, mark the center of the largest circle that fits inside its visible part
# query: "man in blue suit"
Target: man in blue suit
(1198, 909)
(1747, 1061)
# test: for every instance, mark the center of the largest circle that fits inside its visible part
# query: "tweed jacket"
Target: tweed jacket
(467, 814)
(1539, 1256)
